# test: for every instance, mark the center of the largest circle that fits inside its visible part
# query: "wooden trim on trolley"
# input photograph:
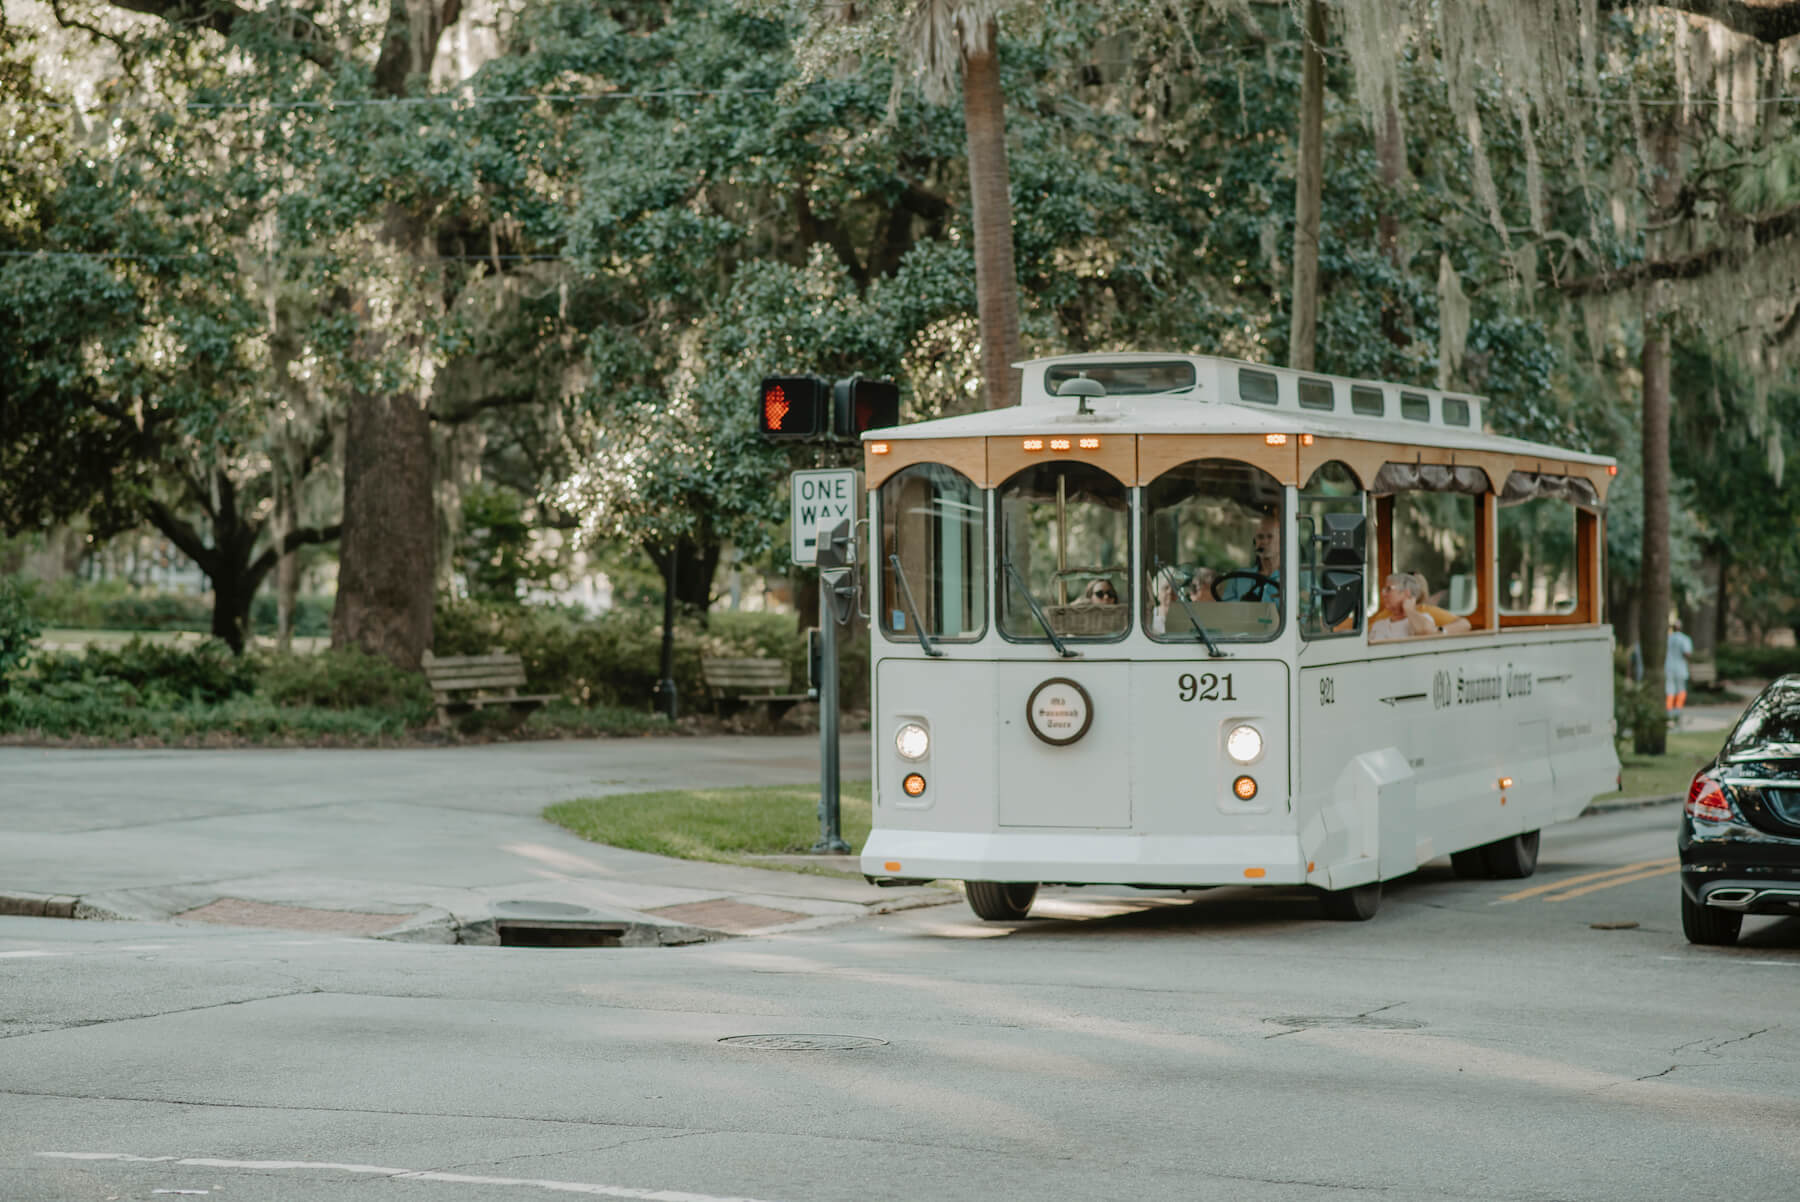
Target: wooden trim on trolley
(966, 455)
(1158, 453)
(1117, 454)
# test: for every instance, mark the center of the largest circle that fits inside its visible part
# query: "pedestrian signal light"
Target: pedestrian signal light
(792, 407)
(860, 405)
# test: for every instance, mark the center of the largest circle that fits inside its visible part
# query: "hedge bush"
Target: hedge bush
(159, 673)
(1742, 661)
(347, 679)
(17, 630)
(615, 658)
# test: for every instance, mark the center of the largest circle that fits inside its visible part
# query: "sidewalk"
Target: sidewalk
(439, 845)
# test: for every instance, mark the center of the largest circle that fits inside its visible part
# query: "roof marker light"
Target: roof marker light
(1090, 444)
(1306, 440)
(878, 448)
(1059, 444)
(1275, 440)
(1032, 444)
(1612, 469)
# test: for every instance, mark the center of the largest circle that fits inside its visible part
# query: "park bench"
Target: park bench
(464, 683)
(737, 683)
(1702, 672)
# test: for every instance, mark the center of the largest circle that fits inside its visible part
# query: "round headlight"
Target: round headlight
(1244, 744)
(912, 741)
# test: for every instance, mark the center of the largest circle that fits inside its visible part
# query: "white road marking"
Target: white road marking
(1754, 963)
(29, 952)
(373, 1170)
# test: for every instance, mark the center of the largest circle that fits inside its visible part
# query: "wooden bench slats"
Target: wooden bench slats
(462, 683)
(738, 681)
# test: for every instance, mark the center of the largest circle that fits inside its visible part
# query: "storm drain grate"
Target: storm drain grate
(553, 924)
(804, 1043)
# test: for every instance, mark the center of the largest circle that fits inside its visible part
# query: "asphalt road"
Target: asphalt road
(1554, 1038)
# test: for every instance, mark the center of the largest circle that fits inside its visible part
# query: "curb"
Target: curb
(40, 905)
(1629, 803)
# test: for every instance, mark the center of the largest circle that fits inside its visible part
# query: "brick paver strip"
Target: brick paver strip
(723, 915)
(236, 912)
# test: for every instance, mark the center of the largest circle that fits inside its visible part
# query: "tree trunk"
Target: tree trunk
(1722, 606)
(1653, 579)
(990, 191)
(387, 566)
(1309, 186)
(1390, 155)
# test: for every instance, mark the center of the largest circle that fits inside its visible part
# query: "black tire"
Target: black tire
(1708, 924)
(1351, 905)
(1000, 901)
(1512, 859)
(1470, 865)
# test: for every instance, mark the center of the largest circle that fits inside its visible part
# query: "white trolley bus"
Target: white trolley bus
(1125, 633)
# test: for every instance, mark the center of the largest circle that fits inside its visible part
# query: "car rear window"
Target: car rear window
(1772, 721)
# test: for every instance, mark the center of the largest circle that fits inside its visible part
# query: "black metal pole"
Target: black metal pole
(665, 688)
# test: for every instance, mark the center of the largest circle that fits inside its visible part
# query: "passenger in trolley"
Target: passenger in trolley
(1139, 632)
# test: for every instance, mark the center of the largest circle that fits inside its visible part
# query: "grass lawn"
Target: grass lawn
(1668, 775)
(728, 826)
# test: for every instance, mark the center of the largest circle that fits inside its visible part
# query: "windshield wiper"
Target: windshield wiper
(912, 610)
(1037, 610)
(1212, 648)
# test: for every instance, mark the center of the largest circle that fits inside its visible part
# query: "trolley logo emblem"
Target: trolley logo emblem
(1059, 711)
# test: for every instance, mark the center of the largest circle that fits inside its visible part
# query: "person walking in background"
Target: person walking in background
(1675, 669)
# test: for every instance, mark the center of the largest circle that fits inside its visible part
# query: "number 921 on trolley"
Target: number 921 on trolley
(1177, 621)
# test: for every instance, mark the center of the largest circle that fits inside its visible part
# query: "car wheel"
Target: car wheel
(1708, 924)
(1000, 901)
(1351, 905)
(1514, 858)
(1470, 865)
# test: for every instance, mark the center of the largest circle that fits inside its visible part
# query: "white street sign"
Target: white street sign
(820, 499)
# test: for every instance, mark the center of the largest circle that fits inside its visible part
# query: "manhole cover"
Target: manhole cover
(804, 1043)
(723, 914)
(543, 911)
(1301, 1022)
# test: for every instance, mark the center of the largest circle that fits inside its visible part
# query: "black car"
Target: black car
(1740, 829)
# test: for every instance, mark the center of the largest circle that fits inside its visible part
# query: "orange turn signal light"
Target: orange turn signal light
(1244, 787)
(891, 866)
(914, 784)
(1506, 782)
(1256, 874)
(1088, 444)
(1059, 444)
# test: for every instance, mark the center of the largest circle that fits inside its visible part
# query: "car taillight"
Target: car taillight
(1706, 801)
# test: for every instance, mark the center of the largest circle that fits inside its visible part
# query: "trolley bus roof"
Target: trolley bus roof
(1205, 394)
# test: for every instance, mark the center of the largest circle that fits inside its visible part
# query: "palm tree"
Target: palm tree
(944, 39)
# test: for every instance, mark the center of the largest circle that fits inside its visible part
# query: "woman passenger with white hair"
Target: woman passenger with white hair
(1401, 617)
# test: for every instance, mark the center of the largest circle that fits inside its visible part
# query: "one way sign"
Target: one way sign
(821, 498)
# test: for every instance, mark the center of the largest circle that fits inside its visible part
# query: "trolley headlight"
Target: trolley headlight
(1244, 744)
(912, 741)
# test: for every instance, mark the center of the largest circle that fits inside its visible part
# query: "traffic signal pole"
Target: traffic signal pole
(835, 567)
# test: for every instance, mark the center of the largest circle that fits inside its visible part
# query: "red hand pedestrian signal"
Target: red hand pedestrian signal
(793, 407)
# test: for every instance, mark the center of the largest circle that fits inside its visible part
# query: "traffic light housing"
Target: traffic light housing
(793, 407)
(859, 405)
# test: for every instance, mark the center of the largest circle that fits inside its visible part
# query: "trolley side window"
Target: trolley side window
(1213, 552)
(934, 522)
(1540, 543)
(1065, 554)
(1331, 570)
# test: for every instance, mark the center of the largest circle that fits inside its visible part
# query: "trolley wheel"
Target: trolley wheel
(1000, 901)
(1706, 924)
(1352, 905)
(1470, 865)
(1514, 858)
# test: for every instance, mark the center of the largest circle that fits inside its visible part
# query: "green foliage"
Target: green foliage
(17, 631)
(346, 679)
(1738, 661)
(156, 673)
(614, 658)
(494, 552)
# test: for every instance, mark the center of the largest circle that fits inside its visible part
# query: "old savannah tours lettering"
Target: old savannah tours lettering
(1466, 689)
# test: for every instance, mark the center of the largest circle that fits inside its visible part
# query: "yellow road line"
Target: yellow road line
(1618, 880)
(1555, 886)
